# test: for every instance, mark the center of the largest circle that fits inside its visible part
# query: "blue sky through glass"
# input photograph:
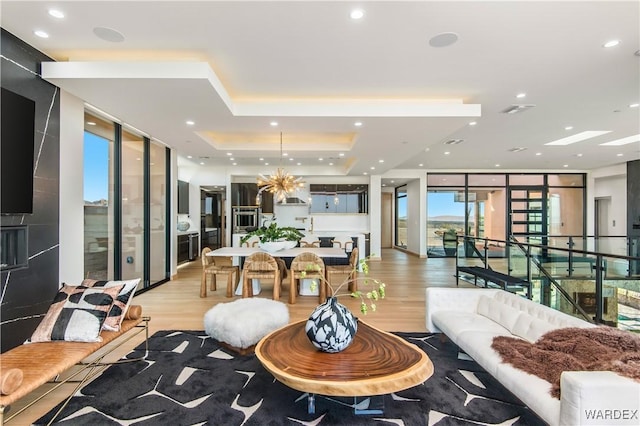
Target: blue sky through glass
(442, 204)
(96, 167)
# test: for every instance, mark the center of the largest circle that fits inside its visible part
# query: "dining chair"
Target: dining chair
(261, 266)
(313, 267)
(343, 242)
(336, 274)
(309, 241)
(251, 242)
(212, 266)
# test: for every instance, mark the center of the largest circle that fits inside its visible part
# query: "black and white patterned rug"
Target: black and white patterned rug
(189, 379)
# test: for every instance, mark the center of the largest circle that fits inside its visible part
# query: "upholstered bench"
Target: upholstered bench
(240, 324)
(25, 368)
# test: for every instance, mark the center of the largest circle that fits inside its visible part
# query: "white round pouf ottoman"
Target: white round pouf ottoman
(240, 324)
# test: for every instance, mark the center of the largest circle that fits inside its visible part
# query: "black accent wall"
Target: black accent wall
(27, 292)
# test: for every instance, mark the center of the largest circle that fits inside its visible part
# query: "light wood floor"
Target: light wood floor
(176, 305)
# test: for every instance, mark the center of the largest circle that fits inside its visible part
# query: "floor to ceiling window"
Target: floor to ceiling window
(132, 205)
(401, 217)
(157, 212)
(538, 208)
(126, 204)
(98, 198)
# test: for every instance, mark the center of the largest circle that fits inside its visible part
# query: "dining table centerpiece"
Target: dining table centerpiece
(331, 326)
(273, 238)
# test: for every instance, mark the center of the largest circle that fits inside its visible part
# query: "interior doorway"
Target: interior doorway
(212, 216)
(601, 223)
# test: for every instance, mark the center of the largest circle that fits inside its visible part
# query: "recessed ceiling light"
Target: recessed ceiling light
(634, 105)
(41, 34)
(202, 163)
(443, 40)
(229, 153)
(190, 122)
(285, 154)
(273, 123)
(358, 123)
(611, 43)
(320, 159)
(473, 123)
(521, 95)
(497, 165)
(373, 168)
(266, 164)
(579, 155)
(341, 154)
(538, 153)
(357, 14)
(568, 128)
(261, 159)
(291, 159)
(393, 181)
(235, 164)
(56, 13)
(91, 123)
(189, 156)
(138, 159)
(619, 155)
(420, 165)
(299, 164)
(331, 164)
(231, 159)
(565, 165)
(578, 137)
(380, 161)
(447, 153)
(623, 141)
(365, 173)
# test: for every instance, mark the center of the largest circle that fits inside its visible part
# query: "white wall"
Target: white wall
(71, 189)
(611, 183)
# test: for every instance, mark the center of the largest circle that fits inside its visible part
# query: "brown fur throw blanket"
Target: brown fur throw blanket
(573, 349)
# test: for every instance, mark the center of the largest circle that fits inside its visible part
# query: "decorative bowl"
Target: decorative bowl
(183, 226)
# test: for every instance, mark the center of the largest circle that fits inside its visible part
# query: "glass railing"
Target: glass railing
(600, 287)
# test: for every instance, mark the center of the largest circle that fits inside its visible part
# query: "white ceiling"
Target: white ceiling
(233, 67)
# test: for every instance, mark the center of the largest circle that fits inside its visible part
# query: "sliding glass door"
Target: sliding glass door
(126, 204)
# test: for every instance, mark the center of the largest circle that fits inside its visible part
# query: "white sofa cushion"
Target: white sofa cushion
(477, 344)
(530, 328)
(453, 323)
(497, 311)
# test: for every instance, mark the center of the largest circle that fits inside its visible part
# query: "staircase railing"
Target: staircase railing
(597, 286)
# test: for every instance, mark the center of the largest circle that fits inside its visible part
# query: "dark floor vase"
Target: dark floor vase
(331, 326)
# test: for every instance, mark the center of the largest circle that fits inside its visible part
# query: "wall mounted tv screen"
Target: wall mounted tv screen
(16, 153)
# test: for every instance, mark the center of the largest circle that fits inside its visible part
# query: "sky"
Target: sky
(96, 167)
(442, 204)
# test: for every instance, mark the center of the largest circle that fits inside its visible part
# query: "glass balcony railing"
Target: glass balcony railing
(568, 275)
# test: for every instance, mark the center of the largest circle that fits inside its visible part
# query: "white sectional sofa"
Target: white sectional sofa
(472, 317)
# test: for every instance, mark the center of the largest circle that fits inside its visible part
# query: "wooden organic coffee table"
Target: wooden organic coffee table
(376, 363)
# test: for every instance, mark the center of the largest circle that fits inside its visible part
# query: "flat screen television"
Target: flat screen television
(17, 134)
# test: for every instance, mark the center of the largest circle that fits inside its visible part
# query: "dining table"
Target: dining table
(239, 253)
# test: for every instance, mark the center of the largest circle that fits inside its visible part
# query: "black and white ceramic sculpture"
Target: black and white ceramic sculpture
(331, 326)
